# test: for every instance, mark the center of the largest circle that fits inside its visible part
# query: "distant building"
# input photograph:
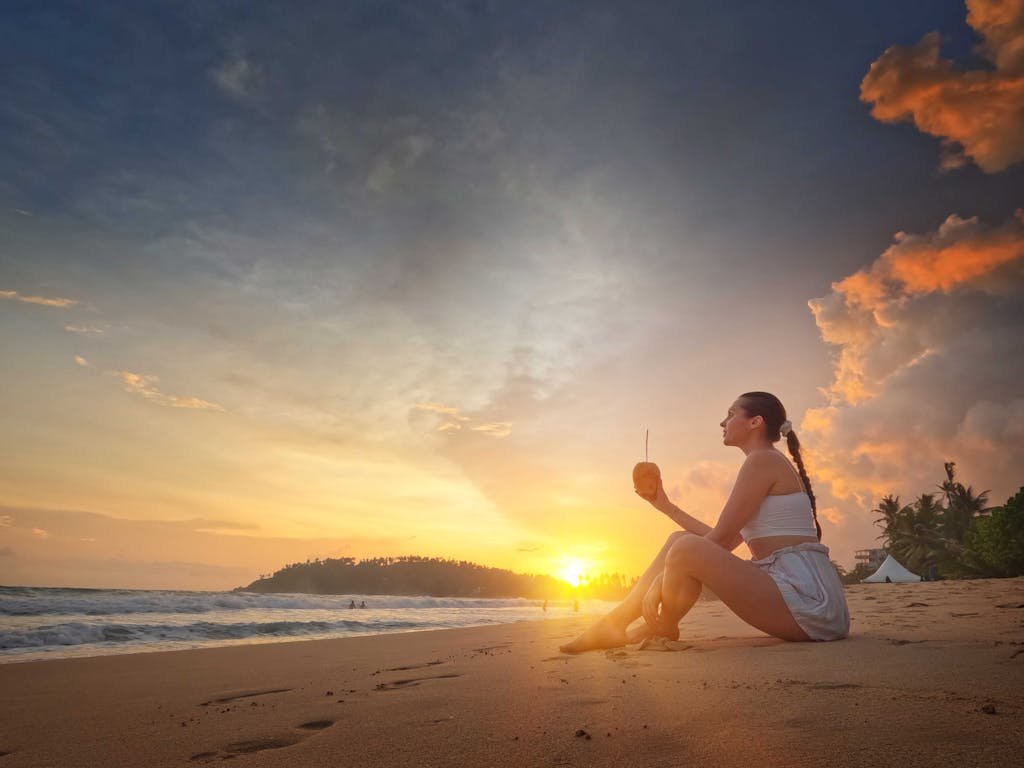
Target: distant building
(871, 557)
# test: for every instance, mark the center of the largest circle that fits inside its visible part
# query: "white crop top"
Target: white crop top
(786, 515)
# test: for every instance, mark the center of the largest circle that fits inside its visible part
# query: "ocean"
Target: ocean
(51, 623)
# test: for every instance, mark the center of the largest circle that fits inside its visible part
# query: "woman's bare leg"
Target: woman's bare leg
(610, 630)
(748, 591)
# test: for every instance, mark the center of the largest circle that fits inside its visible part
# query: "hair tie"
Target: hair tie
(785, 428)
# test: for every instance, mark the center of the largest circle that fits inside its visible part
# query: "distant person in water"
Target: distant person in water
(362, 604)
(790, 589)
(351, 604)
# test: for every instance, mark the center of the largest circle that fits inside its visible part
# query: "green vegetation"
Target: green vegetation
(954, 531)
(437, 577)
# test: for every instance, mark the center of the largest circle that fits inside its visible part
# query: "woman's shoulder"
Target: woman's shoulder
(771, 463)
(766, 457)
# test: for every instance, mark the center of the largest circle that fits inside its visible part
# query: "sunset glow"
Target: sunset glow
(573, 571)
(278, 286)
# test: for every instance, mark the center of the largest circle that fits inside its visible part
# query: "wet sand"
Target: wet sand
(932, 675)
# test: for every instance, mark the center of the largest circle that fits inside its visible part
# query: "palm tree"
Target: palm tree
(962, 505)
(917, 539)
(891, 516)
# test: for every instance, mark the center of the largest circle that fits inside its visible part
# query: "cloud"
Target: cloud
(238, 77)
(449, 410)
(223, 527)
(701, 487)
(40, 533)
(145, 385)
(85, 330)
(867, 314)
(832, 514)
(929, 365)
(83, 362)
(989, 424)
(712, 476)
(498, 429)
(450, 419)
(43, 301)
(402, 154)
(978, 114)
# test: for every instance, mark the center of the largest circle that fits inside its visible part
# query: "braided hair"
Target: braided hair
(769, 408)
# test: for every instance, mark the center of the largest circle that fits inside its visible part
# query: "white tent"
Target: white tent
(891, 567)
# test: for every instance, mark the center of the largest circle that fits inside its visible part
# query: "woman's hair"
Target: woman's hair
(769, 408)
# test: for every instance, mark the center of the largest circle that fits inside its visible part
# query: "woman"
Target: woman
(790, 589)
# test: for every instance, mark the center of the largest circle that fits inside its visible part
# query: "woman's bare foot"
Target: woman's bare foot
(644, 631)
(603, 634)
(639, 633)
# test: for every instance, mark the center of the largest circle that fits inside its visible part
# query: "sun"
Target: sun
(572, 570)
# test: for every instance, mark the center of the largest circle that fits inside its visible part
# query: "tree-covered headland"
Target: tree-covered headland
(433, 576)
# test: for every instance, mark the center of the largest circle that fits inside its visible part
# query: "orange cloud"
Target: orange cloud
(449, 410)
(865, 315)
(978, 114)
(450, 419)
(145, 385)
(929, 365)
(833, 515)
(43, 301)
(497, 429)
(960, 251)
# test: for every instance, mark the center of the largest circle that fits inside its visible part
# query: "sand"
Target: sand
(932, 675)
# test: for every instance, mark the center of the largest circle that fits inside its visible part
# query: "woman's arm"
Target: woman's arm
(686, 521)
(755, 479)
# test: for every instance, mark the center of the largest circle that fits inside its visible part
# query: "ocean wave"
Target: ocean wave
(28, 601)
(85, 633)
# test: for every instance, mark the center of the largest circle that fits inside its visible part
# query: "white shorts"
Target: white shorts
(811, 588)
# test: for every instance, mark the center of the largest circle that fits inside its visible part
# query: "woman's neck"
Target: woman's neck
(756, 444)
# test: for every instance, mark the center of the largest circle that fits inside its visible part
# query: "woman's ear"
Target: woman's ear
(756, 421)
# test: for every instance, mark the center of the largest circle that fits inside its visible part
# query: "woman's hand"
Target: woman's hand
(652, 604)
(660, 498)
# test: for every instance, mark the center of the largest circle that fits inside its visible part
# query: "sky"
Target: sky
(324, 279)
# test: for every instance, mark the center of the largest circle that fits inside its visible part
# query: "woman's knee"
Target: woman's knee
(686, 552)
(674, 537)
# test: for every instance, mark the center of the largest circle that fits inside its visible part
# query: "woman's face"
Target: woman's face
(736, 425)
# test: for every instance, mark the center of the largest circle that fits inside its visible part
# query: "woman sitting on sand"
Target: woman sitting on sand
(790, 589)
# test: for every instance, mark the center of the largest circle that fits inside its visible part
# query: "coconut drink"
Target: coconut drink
(646, 475)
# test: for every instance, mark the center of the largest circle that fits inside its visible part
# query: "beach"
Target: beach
(931, 676)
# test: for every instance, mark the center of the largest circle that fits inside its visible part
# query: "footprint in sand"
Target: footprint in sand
(244, 695)
(493, 650)
(415, 666)
(396, 684)
(834, 686)
(258, 745)
(249, 746)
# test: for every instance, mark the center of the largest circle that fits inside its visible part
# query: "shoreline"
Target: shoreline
(56, 623)
(929, 677)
